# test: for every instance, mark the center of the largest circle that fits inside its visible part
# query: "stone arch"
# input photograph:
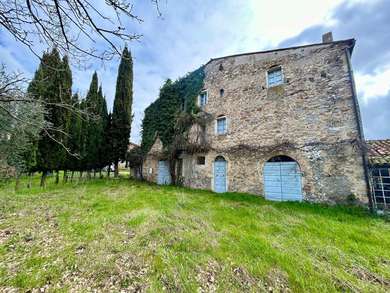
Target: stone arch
(221, 158)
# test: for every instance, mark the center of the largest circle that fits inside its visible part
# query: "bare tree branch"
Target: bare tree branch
(13, 98)
(72, 26)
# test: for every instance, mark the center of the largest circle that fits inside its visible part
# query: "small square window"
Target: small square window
(275, 76)
(201, 160)
(221, 125)
(203, 99)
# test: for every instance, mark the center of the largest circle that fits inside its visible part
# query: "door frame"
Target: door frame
(226, 173)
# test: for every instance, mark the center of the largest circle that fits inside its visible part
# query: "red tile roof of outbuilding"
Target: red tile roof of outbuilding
(379, 151)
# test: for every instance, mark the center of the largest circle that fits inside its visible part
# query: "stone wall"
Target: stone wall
(150, 164)
(310, 117)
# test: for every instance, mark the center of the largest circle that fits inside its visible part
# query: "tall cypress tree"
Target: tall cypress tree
(122, 115)
(105, 149)
(108, 150)
(93, 133)
(52, 85)
(95, 141)
(82, 162)
(65, 114)
(74, 140)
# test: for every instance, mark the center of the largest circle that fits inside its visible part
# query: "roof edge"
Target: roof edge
(351, 43)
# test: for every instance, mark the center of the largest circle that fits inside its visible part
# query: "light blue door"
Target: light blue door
(220, 175)
(282, 181)
(163, 174)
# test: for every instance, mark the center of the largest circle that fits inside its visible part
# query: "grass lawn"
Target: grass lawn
(110, 234)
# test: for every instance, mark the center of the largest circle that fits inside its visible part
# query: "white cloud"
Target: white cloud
(373, 86)
(275, 21)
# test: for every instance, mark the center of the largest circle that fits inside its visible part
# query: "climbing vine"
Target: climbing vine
(175, 97)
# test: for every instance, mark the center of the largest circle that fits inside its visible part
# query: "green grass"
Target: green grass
(114, 235)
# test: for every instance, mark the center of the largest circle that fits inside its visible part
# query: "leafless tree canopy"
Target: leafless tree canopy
(74, 27)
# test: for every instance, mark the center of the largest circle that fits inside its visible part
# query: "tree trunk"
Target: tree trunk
(17, 181)
(71, 176)
(43, 179)
(100, 174)
(81, 175)
(109, 171)
(94, 173)
(65, 179)
(57, 176)
(89, 174)
(29, 183)
(116, 169)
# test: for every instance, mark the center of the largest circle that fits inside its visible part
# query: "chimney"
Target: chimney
(327, 37)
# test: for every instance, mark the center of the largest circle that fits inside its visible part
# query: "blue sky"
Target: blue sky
(189, 33)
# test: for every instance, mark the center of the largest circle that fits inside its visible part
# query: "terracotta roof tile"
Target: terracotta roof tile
(379, 151)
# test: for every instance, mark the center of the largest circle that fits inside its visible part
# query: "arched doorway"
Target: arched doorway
(282, 179)
(220, 168)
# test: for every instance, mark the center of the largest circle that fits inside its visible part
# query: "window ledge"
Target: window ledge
(221, 135)
(276, 86)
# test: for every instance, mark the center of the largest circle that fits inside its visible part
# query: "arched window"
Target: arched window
(220, 158)
(281, 159)
(221, 92)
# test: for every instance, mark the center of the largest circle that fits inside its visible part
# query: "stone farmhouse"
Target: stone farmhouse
(285, 124)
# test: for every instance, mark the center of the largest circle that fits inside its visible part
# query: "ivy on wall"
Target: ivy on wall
(160, 117)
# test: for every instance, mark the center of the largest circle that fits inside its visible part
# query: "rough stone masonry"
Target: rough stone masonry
(311, 117)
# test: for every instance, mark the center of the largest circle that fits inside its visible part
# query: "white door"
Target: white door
(282, 181)
(163, 174)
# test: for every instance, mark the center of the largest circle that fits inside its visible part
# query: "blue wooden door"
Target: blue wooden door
(282, 181)
(163, 174)
(220, 175)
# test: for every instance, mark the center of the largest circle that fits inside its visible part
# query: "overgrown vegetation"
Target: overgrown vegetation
(113, 235)
(161, 116)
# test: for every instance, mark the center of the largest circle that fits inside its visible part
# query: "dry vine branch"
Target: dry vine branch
(74, 27)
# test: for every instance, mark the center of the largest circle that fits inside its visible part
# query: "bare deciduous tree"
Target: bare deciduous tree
(21, 121)
(74, 27)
